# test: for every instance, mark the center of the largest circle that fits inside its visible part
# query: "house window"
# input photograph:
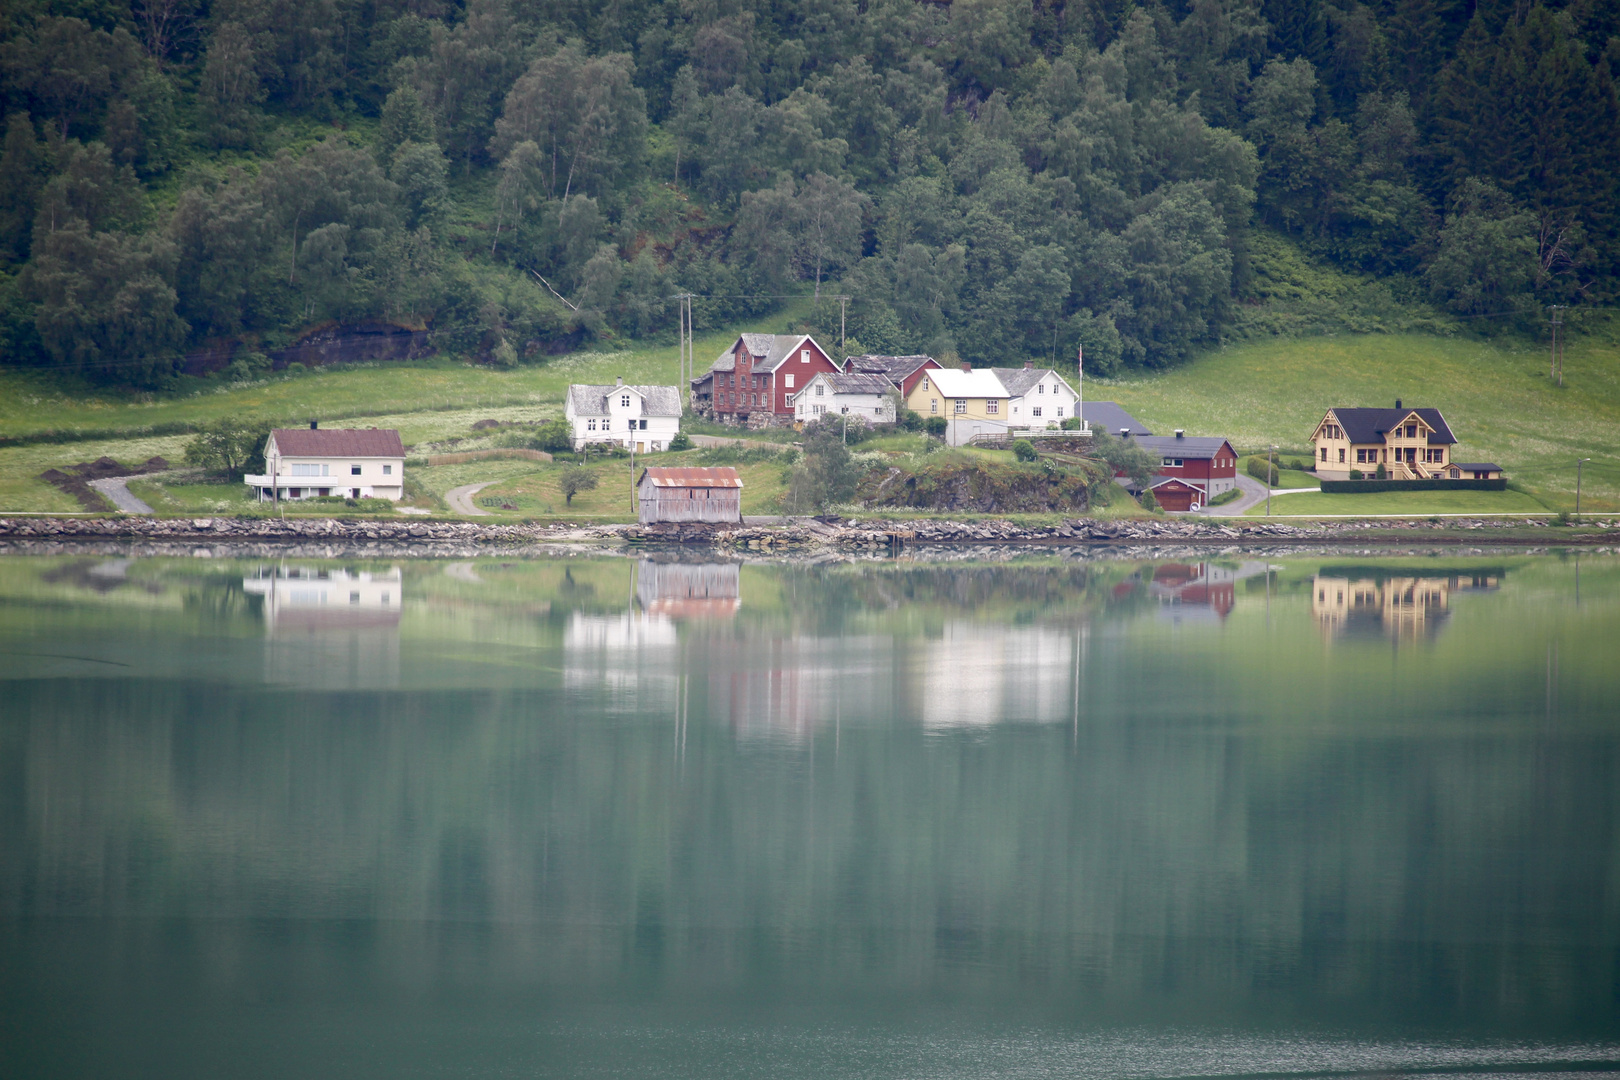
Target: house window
(1411, 431)
(307, 470)
(925, 384)
(961, 406)
(1036, 411)
(1341, 455)
(992, 407)
(1361, 457)
(933, 405)
(354, 470)
(804, 356)
(643, 425)
(388, 470)
(844, 410)
(590, 425)
(1041, 388)
(1059, 410)
(789, 378)
(1324, 453)
(1173, 462)
(817, 410)
(821, 391)
(624, 401)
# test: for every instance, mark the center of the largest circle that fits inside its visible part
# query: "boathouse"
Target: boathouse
(679, 495)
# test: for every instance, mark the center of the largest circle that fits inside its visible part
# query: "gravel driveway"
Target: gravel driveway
(116, 489)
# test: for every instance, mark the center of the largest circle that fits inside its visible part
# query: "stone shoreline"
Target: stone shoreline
(792, 534)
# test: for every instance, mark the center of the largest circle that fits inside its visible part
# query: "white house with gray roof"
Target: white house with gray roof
(640, 418)
(1037, 397)
(829, 394)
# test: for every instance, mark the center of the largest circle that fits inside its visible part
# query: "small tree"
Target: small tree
(1125, 457)
(574, 480)
(935, 425)
(1024, 450)
(1148, 500)
(229, 447)
(681, 441)
(1381, 473)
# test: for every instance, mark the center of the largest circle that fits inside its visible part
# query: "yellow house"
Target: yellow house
(1410, 444)
(971, 401)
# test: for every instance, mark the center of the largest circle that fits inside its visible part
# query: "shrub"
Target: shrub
(1024, 450)
(1125, 456)
(935, 425)
(1357, 474)
(681, 441)
(1381, 473)
(554, 435)
(1147, 499)
(229, 448)
(1263, 470)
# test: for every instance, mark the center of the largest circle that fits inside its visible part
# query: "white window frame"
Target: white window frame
(789, 377)
(961, 406)
(804, 356)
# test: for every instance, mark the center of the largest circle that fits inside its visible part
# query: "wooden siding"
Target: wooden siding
(678, 504)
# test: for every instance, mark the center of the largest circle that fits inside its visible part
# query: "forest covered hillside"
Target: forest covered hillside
(983, 177)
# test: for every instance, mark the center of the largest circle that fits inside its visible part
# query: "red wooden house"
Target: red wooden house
(759, 374)
(1206, 467)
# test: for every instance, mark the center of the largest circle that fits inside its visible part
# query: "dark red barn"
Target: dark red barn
(760, 373)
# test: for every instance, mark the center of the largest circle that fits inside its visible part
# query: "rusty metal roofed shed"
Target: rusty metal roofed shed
(681, 495)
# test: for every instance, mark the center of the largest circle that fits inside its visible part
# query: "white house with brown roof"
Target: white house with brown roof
(355, 463)
(639, 418)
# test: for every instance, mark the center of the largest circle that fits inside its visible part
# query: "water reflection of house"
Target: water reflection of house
(632, 656)
(689, 590)
(329, 627)
(1406, 608)
(978, 673)
(1201, 592)
(788, 687)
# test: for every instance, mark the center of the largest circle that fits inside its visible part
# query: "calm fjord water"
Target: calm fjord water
(598, 816)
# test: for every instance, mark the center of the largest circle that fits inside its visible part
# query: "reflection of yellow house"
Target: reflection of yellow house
(1399, 607)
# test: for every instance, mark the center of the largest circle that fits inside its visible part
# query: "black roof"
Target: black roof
(1108, 416)
(1478, 466)
(1369, 425)
(1189, 446)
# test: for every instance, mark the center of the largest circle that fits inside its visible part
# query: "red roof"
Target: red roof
(704, 478)
(339, 442)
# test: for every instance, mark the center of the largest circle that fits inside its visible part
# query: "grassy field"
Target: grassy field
(1496, 396)
(1416, 503)
(1286, 478)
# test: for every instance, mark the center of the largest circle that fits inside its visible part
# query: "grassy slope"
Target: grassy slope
(1495, 395)
(1405, 502)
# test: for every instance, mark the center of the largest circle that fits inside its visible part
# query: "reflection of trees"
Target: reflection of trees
(1128, 859)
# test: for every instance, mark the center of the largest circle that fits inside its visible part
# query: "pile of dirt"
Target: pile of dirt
(75, 479)
(984, 487)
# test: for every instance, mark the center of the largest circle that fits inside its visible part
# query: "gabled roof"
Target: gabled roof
(590, 400)
(1477, 466)
(768, 350)
(1019, 381)
(854, 383)
(1108, 416)
(339, 442)
(1188, 446)
(1369, 425)
(717, 477)
(978, 383)
(895, 367)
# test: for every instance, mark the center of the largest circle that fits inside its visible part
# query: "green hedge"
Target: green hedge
(1342, 487)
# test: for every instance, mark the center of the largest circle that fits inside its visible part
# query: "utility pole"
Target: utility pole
(1555, 367)
(1271, 472)
(843, 304)
(1578, 465)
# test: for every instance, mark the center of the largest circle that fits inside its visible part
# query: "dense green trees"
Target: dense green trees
(986, 178)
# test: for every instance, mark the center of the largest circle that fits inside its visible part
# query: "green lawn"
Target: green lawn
(1495, 395)
(534, 490)
(1286, 478)
(1415, 503)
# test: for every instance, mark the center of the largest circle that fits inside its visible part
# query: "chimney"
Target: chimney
(1180, 432)
(1397, 403)
(313, 424)
(621, 380)
(1124, 432)
(966, 366)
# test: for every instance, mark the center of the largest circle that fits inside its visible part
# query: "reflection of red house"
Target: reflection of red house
(1196, 585)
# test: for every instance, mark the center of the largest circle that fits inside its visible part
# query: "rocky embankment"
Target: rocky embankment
(785, 535)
